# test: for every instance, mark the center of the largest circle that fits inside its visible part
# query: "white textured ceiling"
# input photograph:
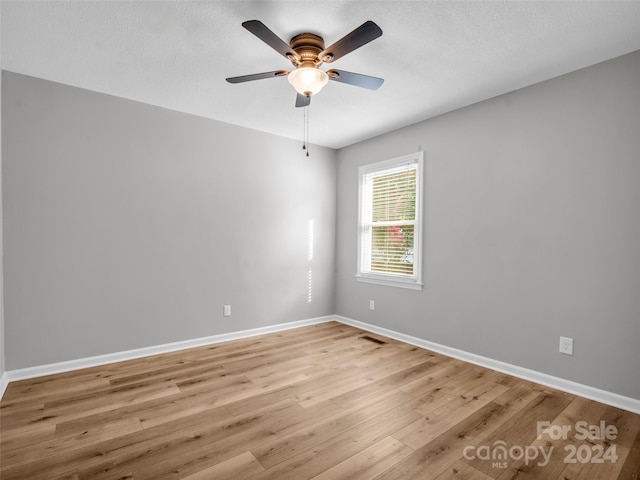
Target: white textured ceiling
(434, 56)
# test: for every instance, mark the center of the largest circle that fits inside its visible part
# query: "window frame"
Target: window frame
(414, 281)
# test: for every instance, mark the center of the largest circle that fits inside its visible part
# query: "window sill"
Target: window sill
(390, 282)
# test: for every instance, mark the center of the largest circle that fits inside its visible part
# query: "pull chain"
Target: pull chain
(305, 141)
(304, 129)
(307, 129)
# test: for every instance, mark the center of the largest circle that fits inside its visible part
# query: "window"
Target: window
(389, 222)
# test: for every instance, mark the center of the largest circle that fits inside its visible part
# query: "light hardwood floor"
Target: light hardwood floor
(318, 402)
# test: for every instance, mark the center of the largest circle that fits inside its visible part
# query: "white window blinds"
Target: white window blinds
(389, 221)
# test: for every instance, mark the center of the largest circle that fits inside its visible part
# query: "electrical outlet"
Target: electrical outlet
(372, 305)
(566, 345)
(227, 311)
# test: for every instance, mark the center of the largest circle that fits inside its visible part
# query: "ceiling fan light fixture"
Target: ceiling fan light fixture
(308, 80)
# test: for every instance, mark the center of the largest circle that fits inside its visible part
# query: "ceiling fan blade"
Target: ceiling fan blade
(261, 31)
(257, 76)
(357, 79)
(303, 100)
(362, 35)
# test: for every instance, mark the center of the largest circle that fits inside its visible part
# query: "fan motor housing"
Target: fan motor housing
(308, 46)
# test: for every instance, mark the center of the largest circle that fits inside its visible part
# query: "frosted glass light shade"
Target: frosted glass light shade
(308, 80)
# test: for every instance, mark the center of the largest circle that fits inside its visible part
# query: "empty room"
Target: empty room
(294, 240)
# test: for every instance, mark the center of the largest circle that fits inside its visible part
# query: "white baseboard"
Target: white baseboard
(4, 381)
(70, 365)
(602, 396)
(592, 393)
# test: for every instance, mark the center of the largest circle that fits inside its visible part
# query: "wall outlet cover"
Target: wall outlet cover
(566, 345)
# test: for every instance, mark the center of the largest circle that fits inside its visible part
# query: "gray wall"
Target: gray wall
(2, 368)
(532, 228)
(128, 225)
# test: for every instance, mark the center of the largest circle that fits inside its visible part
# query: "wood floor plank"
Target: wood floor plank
(630, 469)
(50, 389)
(204, 448)
(319, 402)
(152, 414)
(360, 377)
(461, 471)
(134, 452)
(395, 381)
(30, 416)
(439, 421)
(280, 449)
(175, 373)
(445, 374)
(108, 399)
(241, 466)
(452, 389)
(319, 457)
(368, 462)
(436, 456)
(26, 439)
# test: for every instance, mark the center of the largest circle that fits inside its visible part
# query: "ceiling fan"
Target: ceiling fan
(306, 51)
